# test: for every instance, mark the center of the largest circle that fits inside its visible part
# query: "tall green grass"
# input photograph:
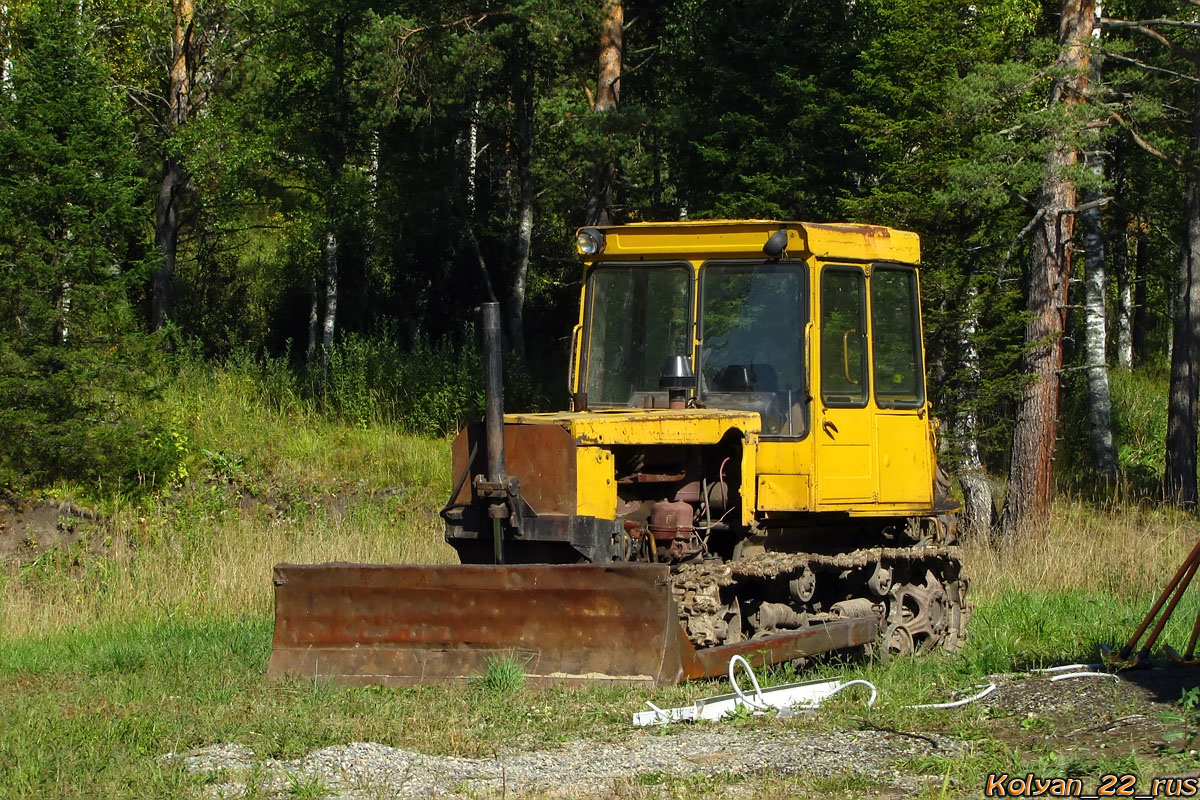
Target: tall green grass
(261, 479)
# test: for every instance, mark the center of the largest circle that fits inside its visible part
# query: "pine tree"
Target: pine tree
(72, 228)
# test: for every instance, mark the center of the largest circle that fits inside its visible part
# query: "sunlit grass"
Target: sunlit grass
(264, 484)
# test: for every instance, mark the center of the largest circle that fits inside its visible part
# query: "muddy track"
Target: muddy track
(918, 595)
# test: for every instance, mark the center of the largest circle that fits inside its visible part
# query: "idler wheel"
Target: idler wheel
(897, 642)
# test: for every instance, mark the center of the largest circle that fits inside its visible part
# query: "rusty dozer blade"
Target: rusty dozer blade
(403, 625)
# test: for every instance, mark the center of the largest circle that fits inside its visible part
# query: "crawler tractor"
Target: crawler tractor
(748, 467)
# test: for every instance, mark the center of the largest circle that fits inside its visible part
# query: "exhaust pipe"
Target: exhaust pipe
(493, 382)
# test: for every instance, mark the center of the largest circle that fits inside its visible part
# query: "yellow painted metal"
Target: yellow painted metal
(596, 431)
(596, 485)
(845, 468)
(868, 461)
(646, 426)
(784, 457)
(784, 493)
(905, 474)
(700, 239)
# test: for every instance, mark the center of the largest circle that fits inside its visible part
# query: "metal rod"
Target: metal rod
(1162, 598)
(1179, 590)
(494, 388)
(1191, 648)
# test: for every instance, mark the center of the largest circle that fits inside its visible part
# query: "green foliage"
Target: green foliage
(503, 675)
(431, 388)
(73, 364)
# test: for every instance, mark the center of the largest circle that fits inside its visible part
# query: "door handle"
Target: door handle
(829, 426)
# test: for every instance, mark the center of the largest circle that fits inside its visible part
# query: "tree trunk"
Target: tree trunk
(1095, 333)
(522, 92)
(1179, 483)
(978, 508)
(174, 181)
(333, 214)
(472, 167)
(1120, 262)
(314, 316)
(6, 84)
(331, 293)
(1141, 312)
(1095, 328)
(1031, 470)
(608, 97)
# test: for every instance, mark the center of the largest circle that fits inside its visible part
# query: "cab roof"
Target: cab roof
(700, 239)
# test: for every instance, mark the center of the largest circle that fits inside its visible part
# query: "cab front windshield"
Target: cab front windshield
(752, 342)
(637, 316)
(751, 331)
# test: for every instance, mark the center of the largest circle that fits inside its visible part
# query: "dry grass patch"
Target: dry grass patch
(1127, 551)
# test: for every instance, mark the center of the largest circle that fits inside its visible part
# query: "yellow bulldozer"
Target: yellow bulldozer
(748, 468)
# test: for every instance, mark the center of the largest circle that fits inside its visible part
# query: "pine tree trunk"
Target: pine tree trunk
(608, 97)
(174, 180)
(1095, 333)
(1180, 479)
(1031, 469)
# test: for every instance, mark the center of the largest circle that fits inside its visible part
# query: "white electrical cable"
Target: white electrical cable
(991, 687)
(1088, 674)
(757, 703)
(868, 684)
(1068, 667)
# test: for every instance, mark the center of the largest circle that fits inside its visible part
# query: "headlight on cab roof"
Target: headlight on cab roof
(590, 241)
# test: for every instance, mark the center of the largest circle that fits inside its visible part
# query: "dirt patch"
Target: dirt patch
(28, 531)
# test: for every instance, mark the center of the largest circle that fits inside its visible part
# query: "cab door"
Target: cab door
(844, 431)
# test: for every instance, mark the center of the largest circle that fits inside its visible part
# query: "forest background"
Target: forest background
(325, 191)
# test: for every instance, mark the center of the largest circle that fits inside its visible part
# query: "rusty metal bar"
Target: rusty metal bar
(713, 662)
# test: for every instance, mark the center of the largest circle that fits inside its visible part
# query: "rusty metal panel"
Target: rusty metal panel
(406, 625)
(713, 662)
(541, 456)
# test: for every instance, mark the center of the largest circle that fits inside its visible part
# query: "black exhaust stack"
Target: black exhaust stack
(493, 382)
(493, 417)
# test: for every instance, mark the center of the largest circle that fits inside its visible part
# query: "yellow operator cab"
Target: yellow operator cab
(815, 328)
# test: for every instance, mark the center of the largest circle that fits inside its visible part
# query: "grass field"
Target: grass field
(155, 639)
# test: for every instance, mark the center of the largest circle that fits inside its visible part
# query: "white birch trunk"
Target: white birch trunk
(1095, 332)
(978, 509)
(331, 293)
(1095, 326)
(6, 64)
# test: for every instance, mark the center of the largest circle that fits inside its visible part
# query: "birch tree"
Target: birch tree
(1095, 327)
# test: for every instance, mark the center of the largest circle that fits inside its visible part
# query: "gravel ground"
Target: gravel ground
(580, 768)
(1082, 716)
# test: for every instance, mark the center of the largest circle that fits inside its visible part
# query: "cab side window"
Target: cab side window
(896, 339)
(843, 337)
